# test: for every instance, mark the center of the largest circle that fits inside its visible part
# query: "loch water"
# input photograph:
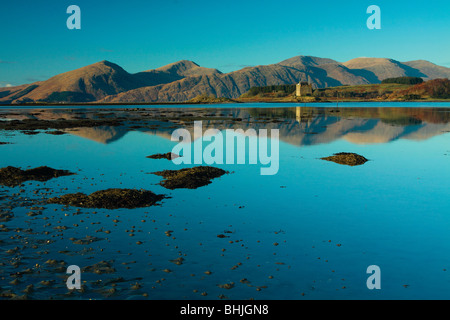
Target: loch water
(308, 232)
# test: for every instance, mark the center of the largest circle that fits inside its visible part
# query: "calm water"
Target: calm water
(308, 232)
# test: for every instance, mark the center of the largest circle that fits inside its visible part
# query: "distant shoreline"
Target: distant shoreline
(210, 103)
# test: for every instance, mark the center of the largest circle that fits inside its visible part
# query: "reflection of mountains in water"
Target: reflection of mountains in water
(310, 126)
(296, 125)
(361, 125)
(367, 125)
(103, 134)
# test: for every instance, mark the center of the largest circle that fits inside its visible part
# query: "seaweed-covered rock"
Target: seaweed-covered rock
(110, 199)
(226, 285)
(55, 132)
(12, 176)
(346, 158)
(189, 178)
(168, 156)
(101, 267)
(28, 125)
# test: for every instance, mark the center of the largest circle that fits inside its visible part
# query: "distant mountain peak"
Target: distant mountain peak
(306, 61)
(108, 63)
(186, 68)
(97, 68)
(365, 61)
(178, 64)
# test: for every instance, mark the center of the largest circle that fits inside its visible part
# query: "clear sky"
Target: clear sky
(227, 35)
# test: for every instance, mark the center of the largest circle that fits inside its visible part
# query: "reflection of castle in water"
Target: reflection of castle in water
(301, 115)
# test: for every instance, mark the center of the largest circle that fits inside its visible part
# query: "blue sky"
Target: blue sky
(227, 35)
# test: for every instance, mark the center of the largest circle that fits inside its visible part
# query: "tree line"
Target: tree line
(283, 88)
(403, 80)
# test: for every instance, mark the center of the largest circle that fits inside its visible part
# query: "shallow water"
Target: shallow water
(308, 232)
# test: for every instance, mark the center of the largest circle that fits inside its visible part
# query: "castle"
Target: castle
(304, 89)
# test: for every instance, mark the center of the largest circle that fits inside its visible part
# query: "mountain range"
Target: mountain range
(106, 82)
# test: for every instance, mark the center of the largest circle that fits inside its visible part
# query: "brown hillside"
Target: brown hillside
(383, 68)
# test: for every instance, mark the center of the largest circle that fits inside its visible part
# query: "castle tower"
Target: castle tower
(303, 89)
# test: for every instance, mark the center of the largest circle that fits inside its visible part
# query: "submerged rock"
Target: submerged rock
(101, 267)
(226, 285)
(55, 132)
(28, 125)
(110, 199)
(168, 156)
(86, 240)
(346, 158)
(177, 261)
(189, 178)
(12, 176)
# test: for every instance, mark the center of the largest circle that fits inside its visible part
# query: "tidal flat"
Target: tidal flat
(308, 232)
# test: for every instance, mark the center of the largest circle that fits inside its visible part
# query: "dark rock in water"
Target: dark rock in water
(178, 260)
(2, 143)
(101, 267)
(110, 199)
(346, 158)
(30, 132)
(86, 240)
(29, 125)
(189, 178)
(55, 132)
(12, 176)
(226, 285)
(168, 156)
